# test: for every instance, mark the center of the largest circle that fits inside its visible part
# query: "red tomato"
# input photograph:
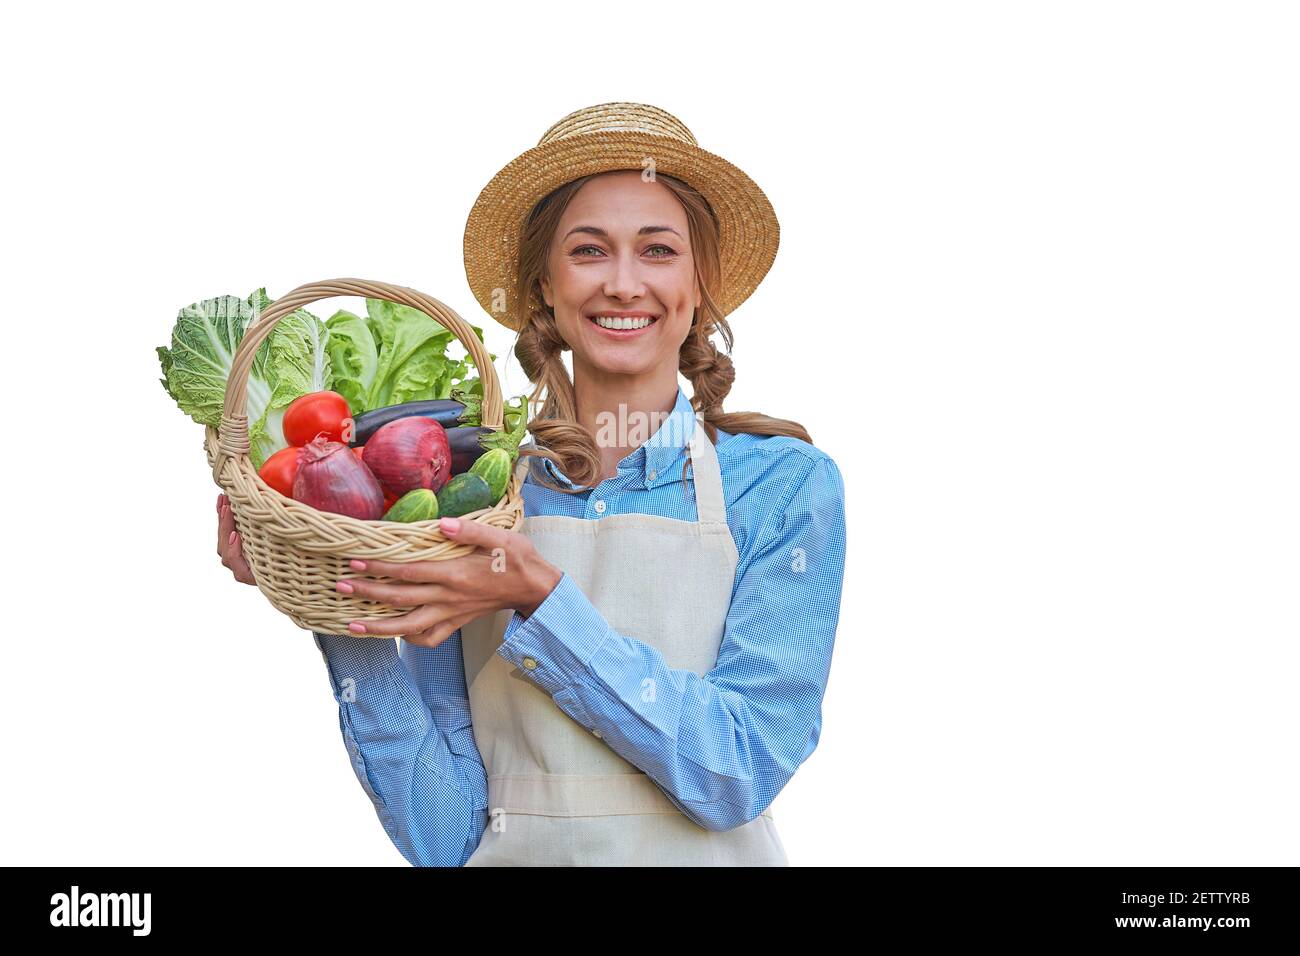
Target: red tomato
(317, 412)
(281, 469)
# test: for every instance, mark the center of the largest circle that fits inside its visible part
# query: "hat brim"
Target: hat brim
(749, 231)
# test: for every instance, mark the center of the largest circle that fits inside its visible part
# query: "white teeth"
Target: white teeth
(613, 322)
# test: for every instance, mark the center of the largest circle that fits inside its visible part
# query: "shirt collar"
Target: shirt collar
(653, 459)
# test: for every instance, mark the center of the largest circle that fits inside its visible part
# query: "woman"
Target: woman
(632, 677)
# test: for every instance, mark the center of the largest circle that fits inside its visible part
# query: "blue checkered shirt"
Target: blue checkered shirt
(720, 746)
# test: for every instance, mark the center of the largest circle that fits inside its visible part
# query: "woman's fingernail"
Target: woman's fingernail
(345, 587)
(232, 538)
(356, 627)
(357, 565)
(451, 525)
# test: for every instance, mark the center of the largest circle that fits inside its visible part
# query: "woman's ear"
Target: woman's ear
(546, 292)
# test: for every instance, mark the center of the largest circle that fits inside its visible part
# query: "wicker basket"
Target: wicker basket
(298, 553)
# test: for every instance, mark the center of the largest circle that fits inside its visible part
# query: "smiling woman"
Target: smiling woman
(634, 675)
(656, 243)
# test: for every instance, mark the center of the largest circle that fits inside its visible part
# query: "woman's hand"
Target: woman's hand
(505, 572)
(229, 545)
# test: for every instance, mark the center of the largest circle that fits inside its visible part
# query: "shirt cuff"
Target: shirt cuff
(553, 646)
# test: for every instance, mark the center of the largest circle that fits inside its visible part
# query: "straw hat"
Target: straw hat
(599, 139)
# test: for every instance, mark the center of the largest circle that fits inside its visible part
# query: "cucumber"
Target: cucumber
(418, 504)
(463, 494)
(494, 468)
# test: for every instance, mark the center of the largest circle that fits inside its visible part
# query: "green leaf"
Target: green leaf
(412, 354)
(206, 336)
(354, 358)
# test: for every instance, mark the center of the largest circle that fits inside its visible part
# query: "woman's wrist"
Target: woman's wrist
(546, 578)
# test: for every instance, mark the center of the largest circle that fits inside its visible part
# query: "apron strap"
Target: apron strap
(707, 476)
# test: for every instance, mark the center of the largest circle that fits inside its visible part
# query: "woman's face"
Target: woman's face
(622, 246)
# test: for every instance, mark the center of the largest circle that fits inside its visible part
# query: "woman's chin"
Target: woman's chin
(621, 360)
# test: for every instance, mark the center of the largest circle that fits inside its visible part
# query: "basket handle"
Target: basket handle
(233, 433)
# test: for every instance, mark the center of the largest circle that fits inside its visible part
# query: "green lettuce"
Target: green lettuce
(396, 354)
(353, 356)
(292, 362)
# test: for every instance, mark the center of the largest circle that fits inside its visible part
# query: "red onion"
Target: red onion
(409, 453)
(331, 478)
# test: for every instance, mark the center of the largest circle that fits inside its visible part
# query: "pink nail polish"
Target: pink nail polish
(345, 587)
(232, 538)
(358, 565)
(356, 627)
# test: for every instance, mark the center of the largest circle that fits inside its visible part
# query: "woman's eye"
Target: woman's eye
(667, 251)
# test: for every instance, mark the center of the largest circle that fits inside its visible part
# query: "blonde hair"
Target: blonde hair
(556, 430)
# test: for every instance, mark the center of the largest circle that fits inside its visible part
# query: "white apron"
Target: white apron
(557, 794)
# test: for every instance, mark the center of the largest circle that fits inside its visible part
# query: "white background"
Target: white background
(1036, 295)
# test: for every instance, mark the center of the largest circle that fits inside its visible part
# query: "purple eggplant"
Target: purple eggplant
(465, 447)
(445, 411)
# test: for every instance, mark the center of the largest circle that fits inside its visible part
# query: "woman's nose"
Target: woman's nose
(625, 282)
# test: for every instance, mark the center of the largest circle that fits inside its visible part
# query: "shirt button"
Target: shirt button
(600, 507)
(530, 663)
(652, 474)
(596, 733)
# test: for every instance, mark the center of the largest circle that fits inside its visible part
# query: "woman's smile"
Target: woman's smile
(622, 325)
